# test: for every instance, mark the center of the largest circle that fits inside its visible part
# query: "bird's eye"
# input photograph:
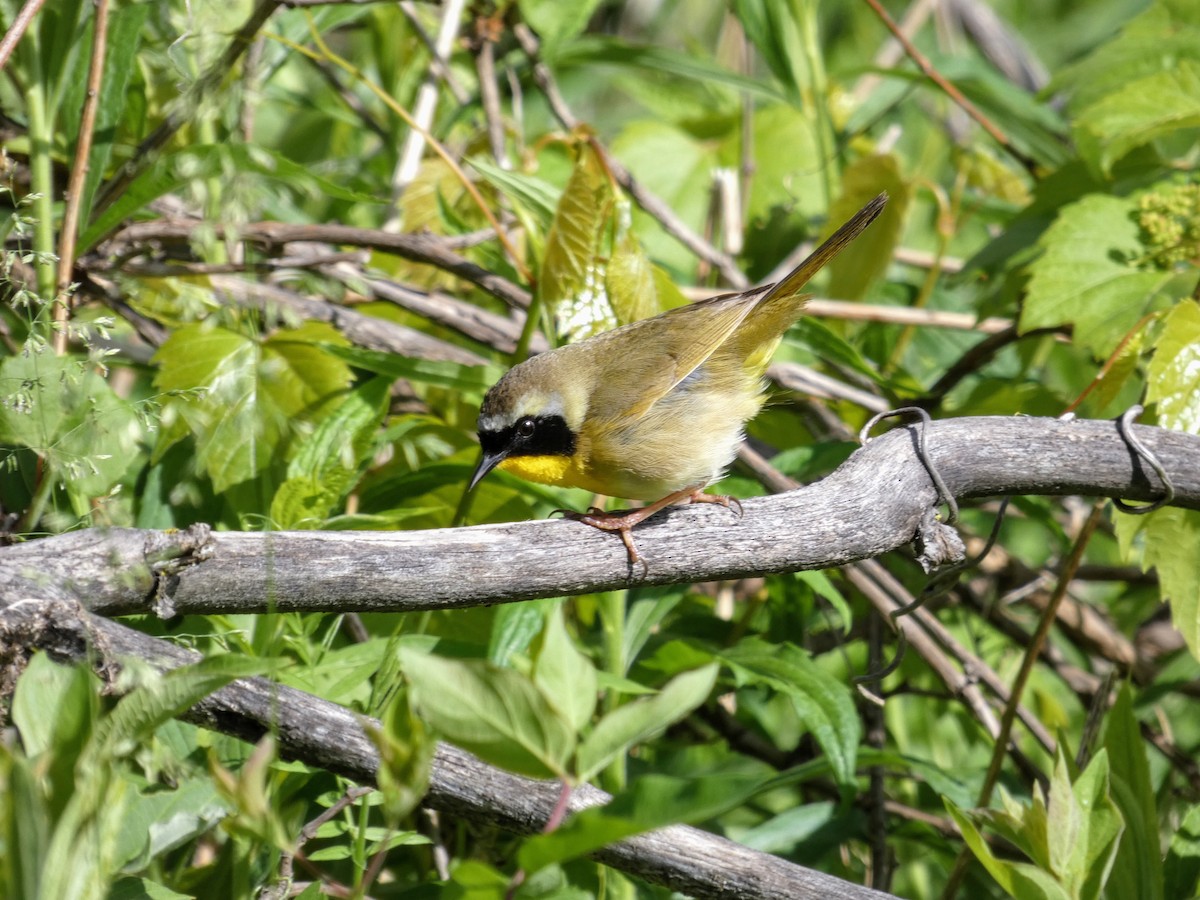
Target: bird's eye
(525, 427)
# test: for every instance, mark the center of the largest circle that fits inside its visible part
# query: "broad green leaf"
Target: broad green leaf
(159, 821)
(1017, 879)
(652, 801)
(35, 389)
(833, 348)
(25, 827)
(781, 833)
(1173, 378)
(642, 719)
(47, 685)
(1181, 872)
(327, 463)
(1084, 827)
(468, 379)
(242, 397)
(556, 22)
(867, 259)
(514, 626)
(1171, 541)
(823, 703)
(164, 697)
(572, 277)
(538, 196)
(1171, 536)
(1138, 869)
(405, 757)
(565, 676)
(1144, 110)
(476, 880)
(1154, 41)
(497, 714)
(59, 740)
(636, 288)
(1087, 274)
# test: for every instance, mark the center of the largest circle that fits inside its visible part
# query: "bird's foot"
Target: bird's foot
(622, 521)
(720, 499)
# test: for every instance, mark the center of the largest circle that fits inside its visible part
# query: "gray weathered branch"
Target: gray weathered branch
(878, 500)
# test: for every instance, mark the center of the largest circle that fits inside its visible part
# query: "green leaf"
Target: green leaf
(556, 22)
(867, 259)
(1171, 541)
(120, 62)
(773, 29)
(34, 387)
(565, 676)
(497, 714)
(1171, 536)
(1017, 879)
(405, 757)
(59, 740)
(1181, 873)
(642, 719)
(1087, 275)
(821, 585)
(823, 703)
(1173, 378)
(1154, 41)
(326, 465)
(514, 628)
(537, 195)
(242, 397)
(157, 822)
(164, 697)
(1142, 111)
(472, 380)
(636, 288)
(593, 49)
(1138, 869)
(572, 277)
(1084, 827)
(652, 801)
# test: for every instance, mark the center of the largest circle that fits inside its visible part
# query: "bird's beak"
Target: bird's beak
(486, 464)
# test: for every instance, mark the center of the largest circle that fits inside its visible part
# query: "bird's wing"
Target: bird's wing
(669, 348)
(672, 346)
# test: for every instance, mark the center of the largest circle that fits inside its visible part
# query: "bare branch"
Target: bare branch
(880, 499)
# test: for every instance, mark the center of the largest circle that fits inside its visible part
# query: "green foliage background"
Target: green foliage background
(174, 399)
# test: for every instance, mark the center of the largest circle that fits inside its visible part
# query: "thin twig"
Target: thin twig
(440, 67)
(409, 160)
(489, 94)
(424, 248)
(79, 173)
(951, 91)
(20, 24)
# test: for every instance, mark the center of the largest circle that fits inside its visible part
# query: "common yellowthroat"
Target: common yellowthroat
(652, 410)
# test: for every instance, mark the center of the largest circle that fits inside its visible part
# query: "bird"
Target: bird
(653, 410)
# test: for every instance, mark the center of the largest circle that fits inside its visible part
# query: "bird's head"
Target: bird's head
(527, 422)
